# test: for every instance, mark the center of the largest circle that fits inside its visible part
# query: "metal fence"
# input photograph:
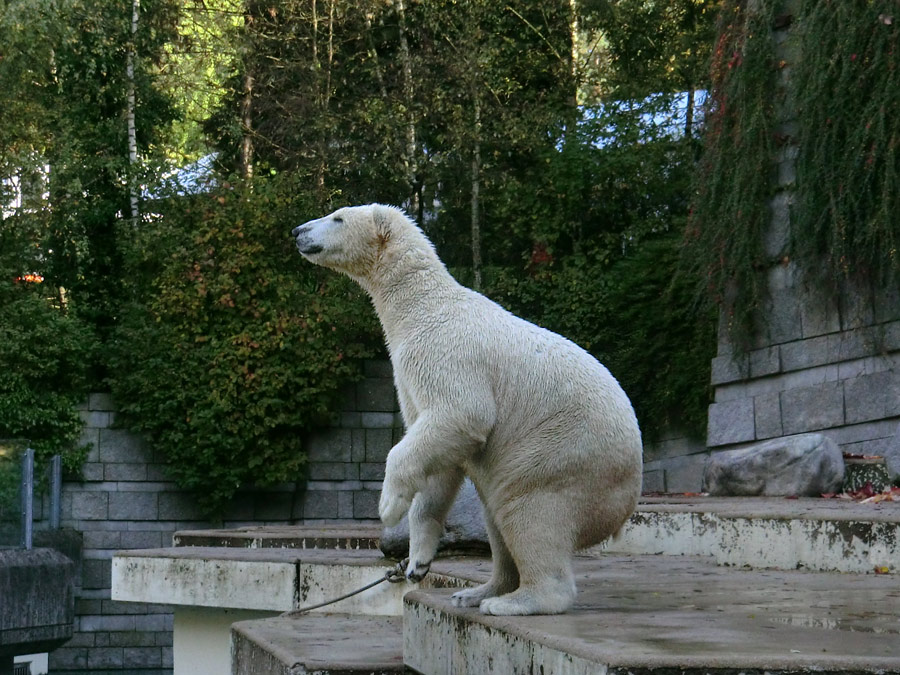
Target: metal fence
(19, 485)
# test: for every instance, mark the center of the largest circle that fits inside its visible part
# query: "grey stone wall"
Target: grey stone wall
(127, 501)
(346, 461)
(835, 369)
(673, 463)
(821, 363)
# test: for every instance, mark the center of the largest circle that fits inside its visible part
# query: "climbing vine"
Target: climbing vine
(733, 186)
(848, 167)
(841, 92)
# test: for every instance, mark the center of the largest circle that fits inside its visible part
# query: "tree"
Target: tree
(243, 346)
(65, 65)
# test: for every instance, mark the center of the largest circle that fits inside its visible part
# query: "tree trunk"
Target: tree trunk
(689, 114)
(575, 71)
(320, 105)
(246, 127)
(409, 159)
(246, 159)
(476, 190)
(131, 57)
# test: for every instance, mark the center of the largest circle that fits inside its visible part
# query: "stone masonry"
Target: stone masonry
(674, 463)
(822, 363)
(127, 501)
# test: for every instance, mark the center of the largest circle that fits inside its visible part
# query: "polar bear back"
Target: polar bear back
(543, 386)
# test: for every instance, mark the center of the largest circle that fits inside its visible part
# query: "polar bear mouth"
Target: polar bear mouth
(311, 249)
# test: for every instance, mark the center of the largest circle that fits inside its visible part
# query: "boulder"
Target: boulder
(892, 456)
(804, 466)
(464, 532)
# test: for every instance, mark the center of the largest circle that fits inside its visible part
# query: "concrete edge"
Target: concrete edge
(763, 543)
(468, 632)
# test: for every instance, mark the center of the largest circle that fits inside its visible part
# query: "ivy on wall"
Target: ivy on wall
(733, 182)
(45, 352)
(848, 168)
(843, 93)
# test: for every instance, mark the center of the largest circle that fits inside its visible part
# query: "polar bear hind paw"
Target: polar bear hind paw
(392, 508)
(525, 602)
(471, 597)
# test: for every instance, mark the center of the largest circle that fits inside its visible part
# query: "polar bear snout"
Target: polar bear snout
(305, 242)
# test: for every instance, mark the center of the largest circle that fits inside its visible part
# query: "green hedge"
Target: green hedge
(234, 347)
(45, 354)
(638, 317)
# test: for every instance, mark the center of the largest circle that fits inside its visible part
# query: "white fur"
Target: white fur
(546, 434)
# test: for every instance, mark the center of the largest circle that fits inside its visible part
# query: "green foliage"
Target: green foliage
(734, 180)
(603, 265)
(844, 89)
(233, 347)
(63, 69)
(225, 346)
(650, 47)
(848, 170)
(45, 353)
(637, 317)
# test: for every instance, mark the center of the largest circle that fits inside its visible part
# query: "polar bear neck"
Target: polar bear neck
(406, 281)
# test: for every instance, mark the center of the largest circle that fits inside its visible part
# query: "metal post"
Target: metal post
(55, 490)
(27, 498)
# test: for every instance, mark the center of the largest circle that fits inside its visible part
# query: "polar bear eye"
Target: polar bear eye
(338, 220)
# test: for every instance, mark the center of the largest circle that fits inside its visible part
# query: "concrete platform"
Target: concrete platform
(643, 614)
(771, 532)
(758, 532)
(266, 579)
(336, 643)
(675, 613)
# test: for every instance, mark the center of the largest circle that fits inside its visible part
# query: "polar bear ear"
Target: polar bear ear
(382, 217)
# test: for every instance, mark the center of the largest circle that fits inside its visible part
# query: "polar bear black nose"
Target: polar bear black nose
(297, 230)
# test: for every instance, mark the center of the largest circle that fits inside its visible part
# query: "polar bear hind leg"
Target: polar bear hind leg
(504, 575)
(540, 534)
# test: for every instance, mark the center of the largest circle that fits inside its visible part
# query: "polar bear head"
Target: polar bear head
(361, 241)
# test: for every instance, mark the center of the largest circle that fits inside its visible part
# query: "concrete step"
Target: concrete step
(333, 644)
(345, 537)
(767, 532)
(272, 579)
(658, 614)
(758, 532)
(635, 613)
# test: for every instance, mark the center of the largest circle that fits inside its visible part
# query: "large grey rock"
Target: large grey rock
(806, 466)
(464, 531)
(892, 456)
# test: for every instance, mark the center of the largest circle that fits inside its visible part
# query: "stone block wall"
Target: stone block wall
(835, 369)
(820, 363)
(127, 501)
(673, 463)
(346, 461)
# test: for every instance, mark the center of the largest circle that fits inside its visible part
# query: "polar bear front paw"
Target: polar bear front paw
(416, 570)
(392, 507)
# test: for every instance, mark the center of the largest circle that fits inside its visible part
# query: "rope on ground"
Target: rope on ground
(393, 575)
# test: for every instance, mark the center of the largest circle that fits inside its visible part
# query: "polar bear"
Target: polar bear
(544, 431)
